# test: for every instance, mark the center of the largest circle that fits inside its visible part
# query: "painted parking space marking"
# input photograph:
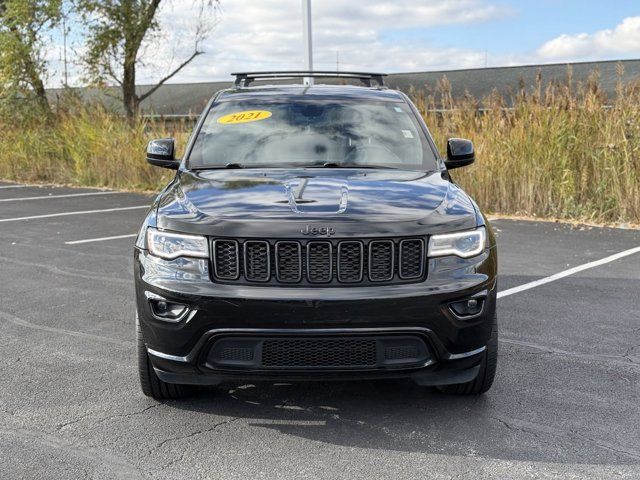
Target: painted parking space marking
(66, 195)
(566, 273)
(8, 317)
(501, 294)
(101, 239)
(65, 214)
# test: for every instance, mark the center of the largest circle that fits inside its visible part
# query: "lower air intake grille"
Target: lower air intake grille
(237, 354)
(401, 352)
(347, 352)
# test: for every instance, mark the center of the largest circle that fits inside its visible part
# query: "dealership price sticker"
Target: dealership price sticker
(244, 117)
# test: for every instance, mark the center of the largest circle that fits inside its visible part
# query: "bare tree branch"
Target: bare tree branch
(108, 70)
(162, 81)
(119, 32)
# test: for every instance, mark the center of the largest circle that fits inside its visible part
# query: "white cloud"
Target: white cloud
(623, 39)
(385, 35)
(261, 35)
(267, 34)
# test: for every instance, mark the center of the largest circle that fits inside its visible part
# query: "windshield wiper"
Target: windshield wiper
(230, 166)
(236, 166)
(354, 166)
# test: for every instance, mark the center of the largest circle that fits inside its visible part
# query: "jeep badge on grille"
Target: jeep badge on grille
(318, 231)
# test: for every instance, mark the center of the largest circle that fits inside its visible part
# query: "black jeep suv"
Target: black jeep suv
(314, 233)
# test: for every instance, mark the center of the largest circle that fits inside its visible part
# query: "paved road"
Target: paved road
(565, 403)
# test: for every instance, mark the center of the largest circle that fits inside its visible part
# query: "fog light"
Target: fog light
(467, 308)
(166, 310)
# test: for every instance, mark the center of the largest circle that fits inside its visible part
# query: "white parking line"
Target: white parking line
(101, 239)
(566, 273)
(66, 195)
(501, 294)
(64, 214)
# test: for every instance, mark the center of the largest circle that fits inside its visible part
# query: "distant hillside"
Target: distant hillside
(191, 98)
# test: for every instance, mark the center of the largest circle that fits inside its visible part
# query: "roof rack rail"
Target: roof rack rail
(244, 79)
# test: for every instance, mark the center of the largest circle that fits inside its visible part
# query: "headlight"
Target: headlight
(462, 244)
(171, 245)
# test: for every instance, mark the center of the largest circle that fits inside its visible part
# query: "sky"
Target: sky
(377, 35)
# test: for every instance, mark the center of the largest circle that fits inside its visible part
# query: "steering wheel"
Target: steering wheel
(260, 144)
(371, 152)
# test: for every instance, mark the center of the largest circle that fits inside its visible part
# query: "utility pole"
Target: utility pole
(306, 38)
(64, 52)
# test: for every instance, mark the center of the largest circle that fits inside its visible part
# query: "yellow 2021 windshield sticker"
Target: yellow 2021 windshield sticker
(244, 117)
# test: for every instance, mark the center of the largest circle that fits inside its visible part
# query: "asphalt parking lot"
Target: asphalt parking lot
(565, 404)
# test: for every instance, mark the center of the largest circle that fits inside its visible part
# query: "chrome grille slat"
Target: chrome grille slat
(319, 261)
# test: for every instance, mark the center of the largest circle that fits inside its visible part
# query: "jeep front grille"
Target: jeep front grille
(256, 261)
(411, 255)
(350, 264)
(319, 262)
(381, 260)
(288, 261)
(226, 259)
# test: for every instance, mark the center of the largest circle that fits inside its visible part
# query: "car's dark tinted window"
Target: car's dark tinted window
(311, 132)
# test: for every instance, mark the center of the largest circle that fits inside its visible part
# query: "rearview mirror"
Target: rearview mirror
(460, 153)
(161, 153)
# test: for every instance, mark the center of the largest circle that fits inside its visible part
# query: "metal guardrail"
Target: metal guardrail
(195, 116)
(171, 116)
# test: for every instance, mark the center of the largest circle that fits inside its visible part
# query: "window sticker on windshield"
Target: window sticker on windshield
(397, 109)
(244, 117)
(407, 133)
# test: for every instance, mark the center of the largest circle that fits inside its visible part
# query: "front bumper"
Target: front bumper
(181, 351)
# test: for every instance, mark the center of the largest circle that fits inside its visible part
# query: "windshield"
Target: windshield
(318, 132)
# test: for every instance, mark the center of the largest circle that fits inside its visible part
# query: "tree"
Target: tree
(24, 25)
(116, 34)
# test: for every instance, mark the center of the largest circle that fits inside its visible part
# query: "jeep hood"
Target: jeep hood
(277, 202)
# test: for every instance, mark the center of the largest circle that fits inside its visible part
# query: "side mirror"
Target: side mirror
(161, 153)
(460, 153)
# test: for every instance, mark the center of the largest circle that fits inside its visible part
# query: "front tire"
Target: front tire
(482, 383)
(150, 384)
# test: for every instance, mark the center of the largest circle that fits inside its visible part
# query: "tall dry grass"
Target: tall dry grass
(565, 150)
(85, 146)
